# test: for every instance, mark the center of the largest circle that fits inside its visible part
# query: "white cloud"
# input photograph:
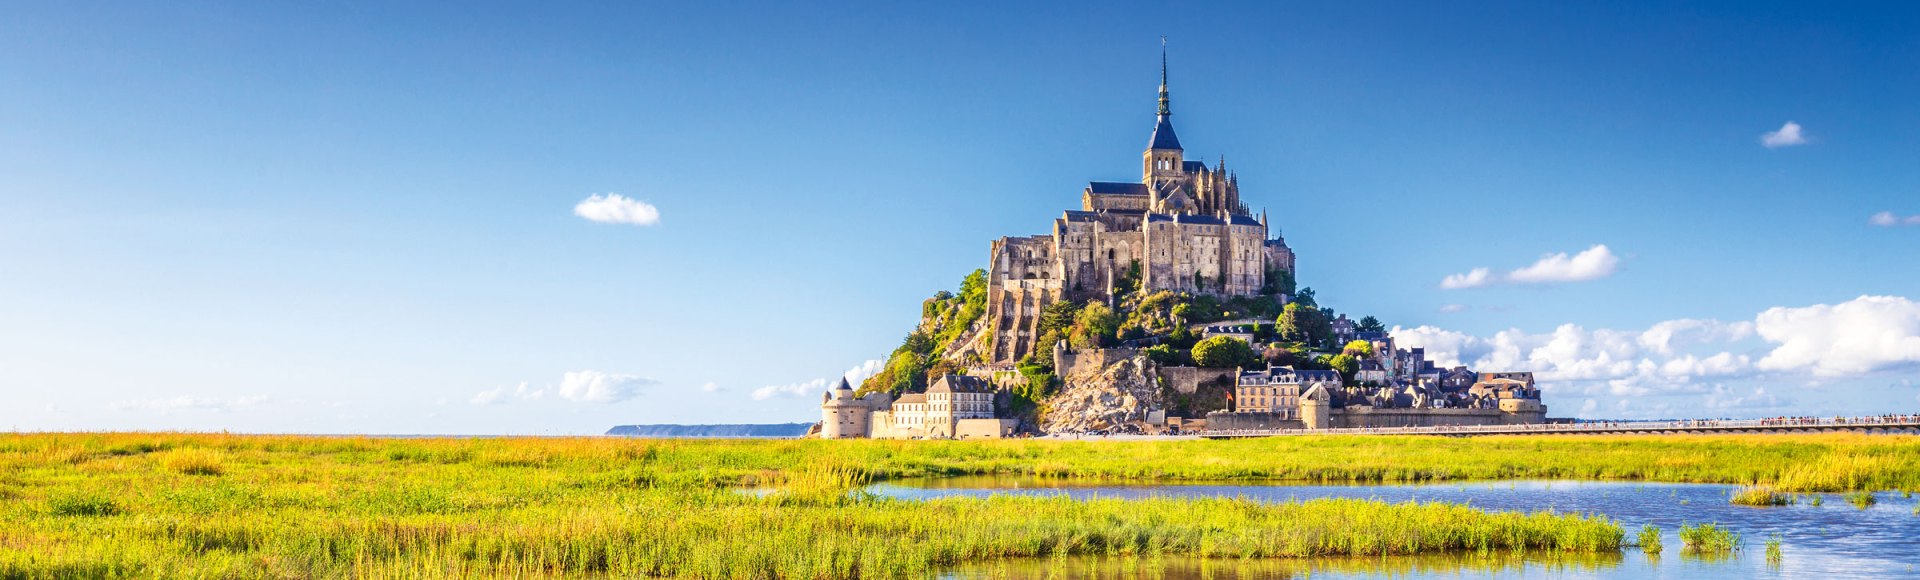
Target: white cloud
(1594, 263)
(614, 208)
(1788, 135)
(599, 387)
(710, 387)
(855, 375)
(186, 404)
(578, 387)
(1862, 335)
(523, 392)
(1452, 308)
(1663, 337)
(862, 371)
(1886, 219)
(1723, 398)
(1474, 279)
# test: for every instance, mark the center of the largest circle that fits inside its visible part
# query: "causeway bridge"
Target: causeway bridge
(1882, 424)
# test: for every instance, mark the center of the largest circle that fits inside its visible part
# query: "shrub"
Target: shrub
(1224, 352)
(1709, 538)
(1650, 539)
(1760, 497)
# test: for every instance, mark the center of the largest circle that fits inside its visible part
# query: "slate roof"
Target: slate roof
(1193, 166)
(1115, 187)
(959, 384)
(1163, 137)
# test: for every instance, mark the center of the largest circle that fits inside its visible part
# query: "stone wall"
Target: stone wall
(984, 428)
(1354, 417)
(1231, 421)
(1068, 361)
(1188, 379)
(1357, 416)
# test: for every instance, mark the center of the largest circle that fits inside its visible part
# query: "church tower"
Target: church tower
(1161, 165)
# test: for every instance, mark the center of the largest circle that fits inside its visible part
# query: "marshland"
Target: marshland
(143, 505)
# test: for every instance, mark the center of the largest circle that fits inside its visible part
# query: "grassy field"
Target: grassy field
(141, 505)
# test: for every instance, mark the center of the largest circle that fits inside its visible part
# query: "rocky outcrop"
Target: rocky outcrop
(1099, 399)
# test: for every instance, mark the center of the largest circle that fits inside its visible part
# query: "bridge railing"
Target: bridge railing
(1608, 426)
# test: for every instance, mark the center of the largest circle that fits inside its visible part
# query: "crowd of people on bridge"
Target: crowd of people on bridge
(1887, 419)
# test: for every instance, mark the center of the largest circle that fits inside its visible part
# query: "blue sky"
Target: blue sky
(361, 217)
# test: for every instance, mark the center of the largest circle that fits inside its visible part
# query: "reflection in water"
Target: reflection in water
(1829, 539)
(1168, 568)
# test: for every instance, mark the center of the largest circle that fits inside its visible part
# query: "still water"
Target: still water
(1832, 540)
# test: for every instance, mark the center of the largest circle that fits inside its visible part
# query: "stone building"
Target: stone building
(1182, 227)
(953, 407)
(1277, 390)
(1283, 398)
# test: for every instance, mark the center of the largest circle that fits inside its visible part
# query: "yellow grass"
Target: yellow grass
(141, 505)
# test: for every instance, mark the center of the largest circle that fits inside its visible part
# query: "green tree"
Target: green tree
(1164, 355)
(1346, 365)
(1302, 323)
(1095, 326)
(1305, 296)
(1359, 349)
(1370, 324)
(1058, 316)
(1224, 352)
(1278, 282)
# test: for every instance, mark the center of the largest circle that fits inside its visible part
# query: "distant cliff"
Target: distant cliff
(771, 430)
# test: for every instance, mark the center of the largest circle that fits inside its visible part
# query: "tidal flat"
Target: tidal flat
(172, 505)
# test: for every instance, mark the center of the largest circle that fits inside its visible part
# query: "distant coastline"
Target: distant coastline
(752, 431)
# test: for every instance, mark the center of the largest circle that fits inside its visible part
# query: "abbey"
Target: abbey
(1181, 228)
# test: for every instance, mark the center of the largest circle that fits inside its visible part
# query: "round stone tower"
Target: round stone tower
(842, 416)
(1315, 404)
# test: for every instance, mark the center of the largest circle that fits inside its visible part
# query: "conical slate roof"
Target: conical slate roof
(1163, 137)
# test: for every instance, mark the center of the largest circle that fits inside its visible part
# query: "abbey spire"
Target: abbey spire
(1163, 137)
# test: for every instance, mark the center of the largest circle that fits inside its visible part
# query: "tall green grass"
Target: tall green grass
(137, 505)
(144, 505)
(1759, 497)
(1650, 539)
(1708, 538)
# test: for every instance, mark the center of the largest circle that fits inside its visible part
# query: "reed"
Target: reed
(1708, 538)
(1760, 497)
(1650, 539)
(1773, 549)
(1861, 499)
(332, 507)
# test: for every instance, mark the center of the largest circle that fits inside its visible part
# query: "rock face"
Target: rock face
(1103, 398)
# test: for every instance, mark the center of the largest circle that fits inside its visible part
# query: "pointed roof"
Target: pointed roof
(843, 385)
(1163, 137)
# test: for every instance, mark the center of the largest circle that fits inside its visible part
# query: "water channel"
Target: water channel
(1831, 540)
